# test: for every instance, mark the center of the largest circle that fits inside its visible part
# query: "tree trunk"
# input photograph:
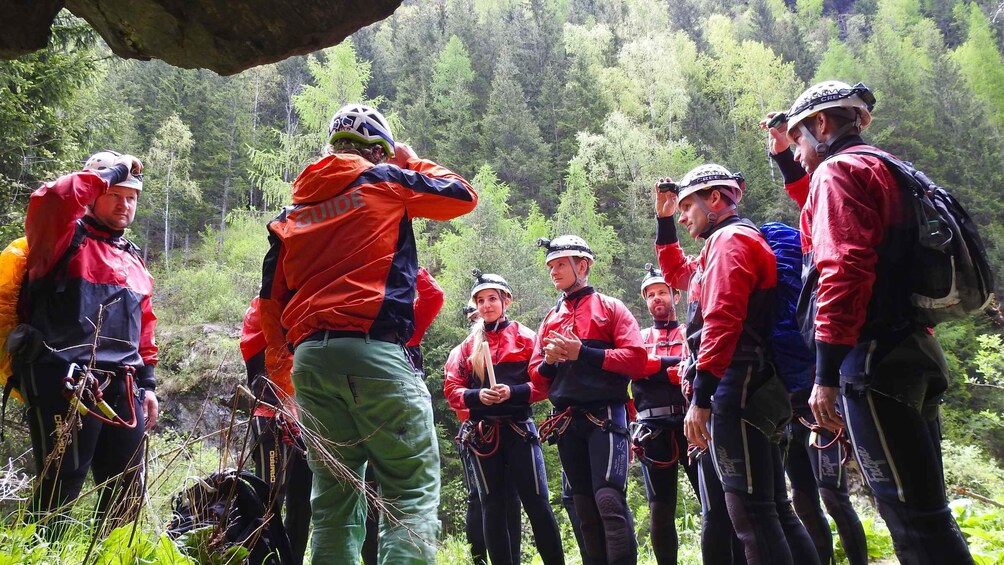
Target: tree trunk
(167, 211)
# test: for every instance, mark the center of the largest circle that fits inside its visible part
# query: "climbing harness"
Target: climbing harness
(86, 394)
(481, 437)
(558, 422)
(643, 433)
(555, 423)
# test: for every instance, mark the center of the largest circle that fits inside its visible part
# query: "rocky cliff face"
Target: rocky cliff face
(226, 36)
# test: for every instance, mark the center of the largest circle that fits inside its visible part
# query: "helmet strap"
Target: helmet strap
(713, 217)
(579, 281)
(822, 147)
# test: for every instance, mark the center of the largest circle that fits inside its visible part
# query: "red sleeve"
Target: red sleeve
(652, 365)
(281, 375)
(436, 192)
(428, 303)
(628, 356)
(846, 226)
(676, 266)
(731, 274)
(798, 190)
(53, 211)
(454, 380)
(252, 338)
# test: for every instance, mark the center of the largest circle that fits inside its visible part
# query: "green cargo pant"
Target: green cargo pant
(366, 397)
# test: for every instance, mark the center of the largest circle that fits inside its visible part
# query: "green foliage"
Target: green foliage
(983, 527)
(969, 467)
(990, 359)
(201, 544)
(577, 214)
(981, 63)
(566, 111)
(452, 105)
(169, 156)
(219, 285)
(341, 79)
(43, 122)
(877, 537)
(127, 545)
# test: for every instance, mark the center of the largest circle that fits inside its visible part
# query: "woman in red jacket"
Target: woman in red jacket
(489, 378)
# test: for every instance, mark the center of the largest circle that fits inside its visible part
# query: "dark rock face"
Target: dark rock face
(226, 36)
(25, 26)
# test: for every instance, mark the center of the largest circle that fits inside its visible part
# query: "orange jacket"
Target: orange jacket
(343, 256)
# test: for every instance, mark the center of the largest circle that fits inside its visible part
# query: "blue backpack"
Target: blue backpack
(792, 357)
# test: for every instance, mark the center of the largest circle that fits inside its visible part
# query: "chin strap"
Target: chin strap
(822, 147)
(579, 281)
(713, 217)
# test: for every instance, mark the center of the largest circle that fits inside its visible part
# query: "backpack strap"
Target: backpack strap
(55, 280)
(58, 271)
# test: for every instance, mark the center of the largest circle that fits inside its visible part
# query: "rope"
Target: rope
(638, 441)
(476, 435)
(556, 422)
(81, 387)
(840, 436)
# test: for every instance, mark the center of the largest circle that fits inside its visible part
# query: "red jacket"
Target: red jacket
(105, 270)
(729, 284)
(449, 388)
(252, 338)
(253, 343)
(660, 385)
(428, 302)
(611, 351)
(343, 256)
(856, 236)
(511, 346)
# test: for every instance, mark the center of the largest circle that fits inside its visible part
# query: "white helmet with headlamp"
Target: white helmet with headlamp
(652, 276)
(713, 176)
(855, 102)
(105, 160)
(565, 246)
(484, 281)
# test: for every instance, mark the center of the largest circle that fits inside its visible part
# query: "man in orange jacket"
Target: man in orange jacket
(338, 288)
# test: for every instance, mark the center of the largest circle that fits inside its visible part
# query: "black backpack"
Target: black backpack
(952, 276)
(229, 509)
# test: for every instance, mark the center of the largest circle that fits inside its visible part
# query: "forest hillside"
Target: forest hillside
(563, 113)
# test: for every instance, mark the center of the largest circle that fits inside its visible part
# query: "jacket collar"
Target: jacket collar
(498, 325)
(584, 291)
(843, 143)
(102, 229)
(722, 223)
(665, 324)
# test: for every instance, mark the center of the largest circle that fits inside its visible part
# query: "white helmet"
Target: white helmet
(361, 123)
(652, 276)
(713, 176)
(105, 160)
(833, 94)
(486, 281)
(565, 246)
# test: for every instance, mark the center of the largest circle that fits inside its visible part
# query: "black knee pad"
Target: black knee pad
(621, 544)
